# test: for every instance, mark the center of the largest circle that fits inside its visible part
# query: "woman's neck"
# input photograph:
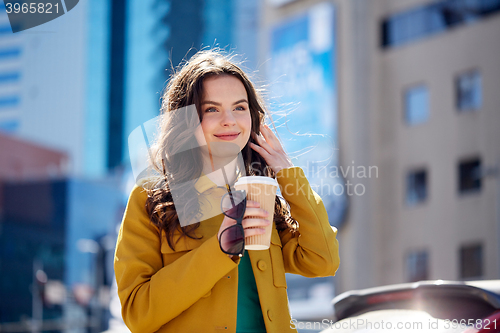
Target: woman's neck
(221, 171)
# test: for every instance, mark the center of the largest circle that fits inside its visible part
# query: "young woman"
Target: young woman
(177, 277)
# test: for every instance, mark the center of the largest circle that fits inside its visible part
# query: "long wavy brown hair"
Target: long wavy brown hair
(185, 88)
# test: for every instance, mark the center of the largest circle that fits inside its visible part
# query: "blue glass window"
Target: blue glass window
(468, 91)
(417, 105)
(416, 187)
(9, 126)
(9, 77)
(471, 261)
(469, 176)
(5, 29)
(10, 53)
(9, 101)
(433, 18)
(417, 266)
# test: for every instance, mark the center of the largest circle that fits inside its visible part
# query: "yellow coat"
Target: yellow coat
(194, 288)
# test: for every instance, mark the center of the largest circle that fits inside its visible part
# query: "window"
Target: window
(433, 18)
(417, 266)
(471, 261)
(417, 105)
(469, 176)
(8, 77)
(416, 187)
(9, 126)
(9, 101)
(468, 91)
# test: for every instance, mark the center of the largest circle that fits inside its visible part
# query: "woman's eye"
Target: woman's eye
(211, 110)
(240, 108)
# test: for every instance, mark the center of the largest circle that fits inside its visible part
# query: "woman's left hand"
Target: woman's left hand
(270, 148)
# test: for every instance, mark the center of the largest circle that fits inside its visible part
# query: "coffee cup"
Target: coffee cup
(263, 190)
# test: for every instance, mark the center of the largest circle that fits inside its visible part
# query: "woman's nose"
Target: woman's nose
(228, 118)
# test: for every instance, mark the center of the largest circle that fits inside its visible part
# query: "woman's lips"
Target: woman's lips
(227, 136)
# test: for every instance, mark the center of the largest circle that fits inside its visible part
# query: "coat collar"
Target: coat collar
(204, 183)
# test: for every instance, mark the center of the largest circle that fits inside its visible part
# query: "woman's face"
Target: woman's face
(225, 112)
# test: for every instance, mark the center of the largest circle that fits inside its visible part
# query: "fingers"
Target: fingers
(268, 145)
(268, 138)
(262, 152)
(255, 223)
(262, 143)
(253, 204)
(254, 231)
(263, 139)
(252, 210)
(255, 212)
(252, 226)
(255, 226)
(271, 138)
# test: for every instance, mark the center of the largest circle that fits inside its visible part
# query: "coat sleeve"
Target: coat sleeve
(150, 294)
(313, 251)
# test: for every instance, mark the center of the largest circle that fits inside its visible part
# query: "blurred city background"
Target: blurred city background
(403, 94)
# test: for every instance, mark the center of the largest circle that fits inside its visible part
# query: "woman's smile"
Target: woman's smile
(227, 136)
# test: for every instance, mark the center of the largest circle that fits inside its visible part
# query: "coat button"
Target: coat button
(270, 315)
(261, 264)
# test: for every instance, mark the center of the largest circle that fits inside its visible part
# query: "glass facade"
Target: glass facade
(416, 105)
(411, 25)
(29, 235)
(62, 215)
(116, 83)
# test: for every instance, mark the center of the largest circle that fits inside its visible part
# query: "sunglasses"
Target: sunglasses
(232, 239)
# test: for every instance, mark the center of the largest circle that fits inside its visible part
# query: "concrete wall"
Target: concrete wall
(381, 229)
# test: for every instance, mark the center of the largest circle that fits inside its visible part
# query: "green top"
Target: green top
(249, 315)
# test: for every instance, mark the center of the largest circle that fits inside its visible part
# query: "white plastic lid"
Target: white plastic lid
(256, 180)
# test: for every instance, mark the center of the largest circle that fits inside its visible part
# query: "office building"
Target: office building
(417, 100)
(417, 87)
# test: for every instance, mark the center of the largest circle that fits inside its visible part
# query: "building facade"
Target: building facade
(418, 79)
(77, 84)
(418, 99)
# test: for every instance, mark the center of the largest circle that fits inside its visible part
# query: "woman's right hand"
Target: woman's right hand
(254, 222)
